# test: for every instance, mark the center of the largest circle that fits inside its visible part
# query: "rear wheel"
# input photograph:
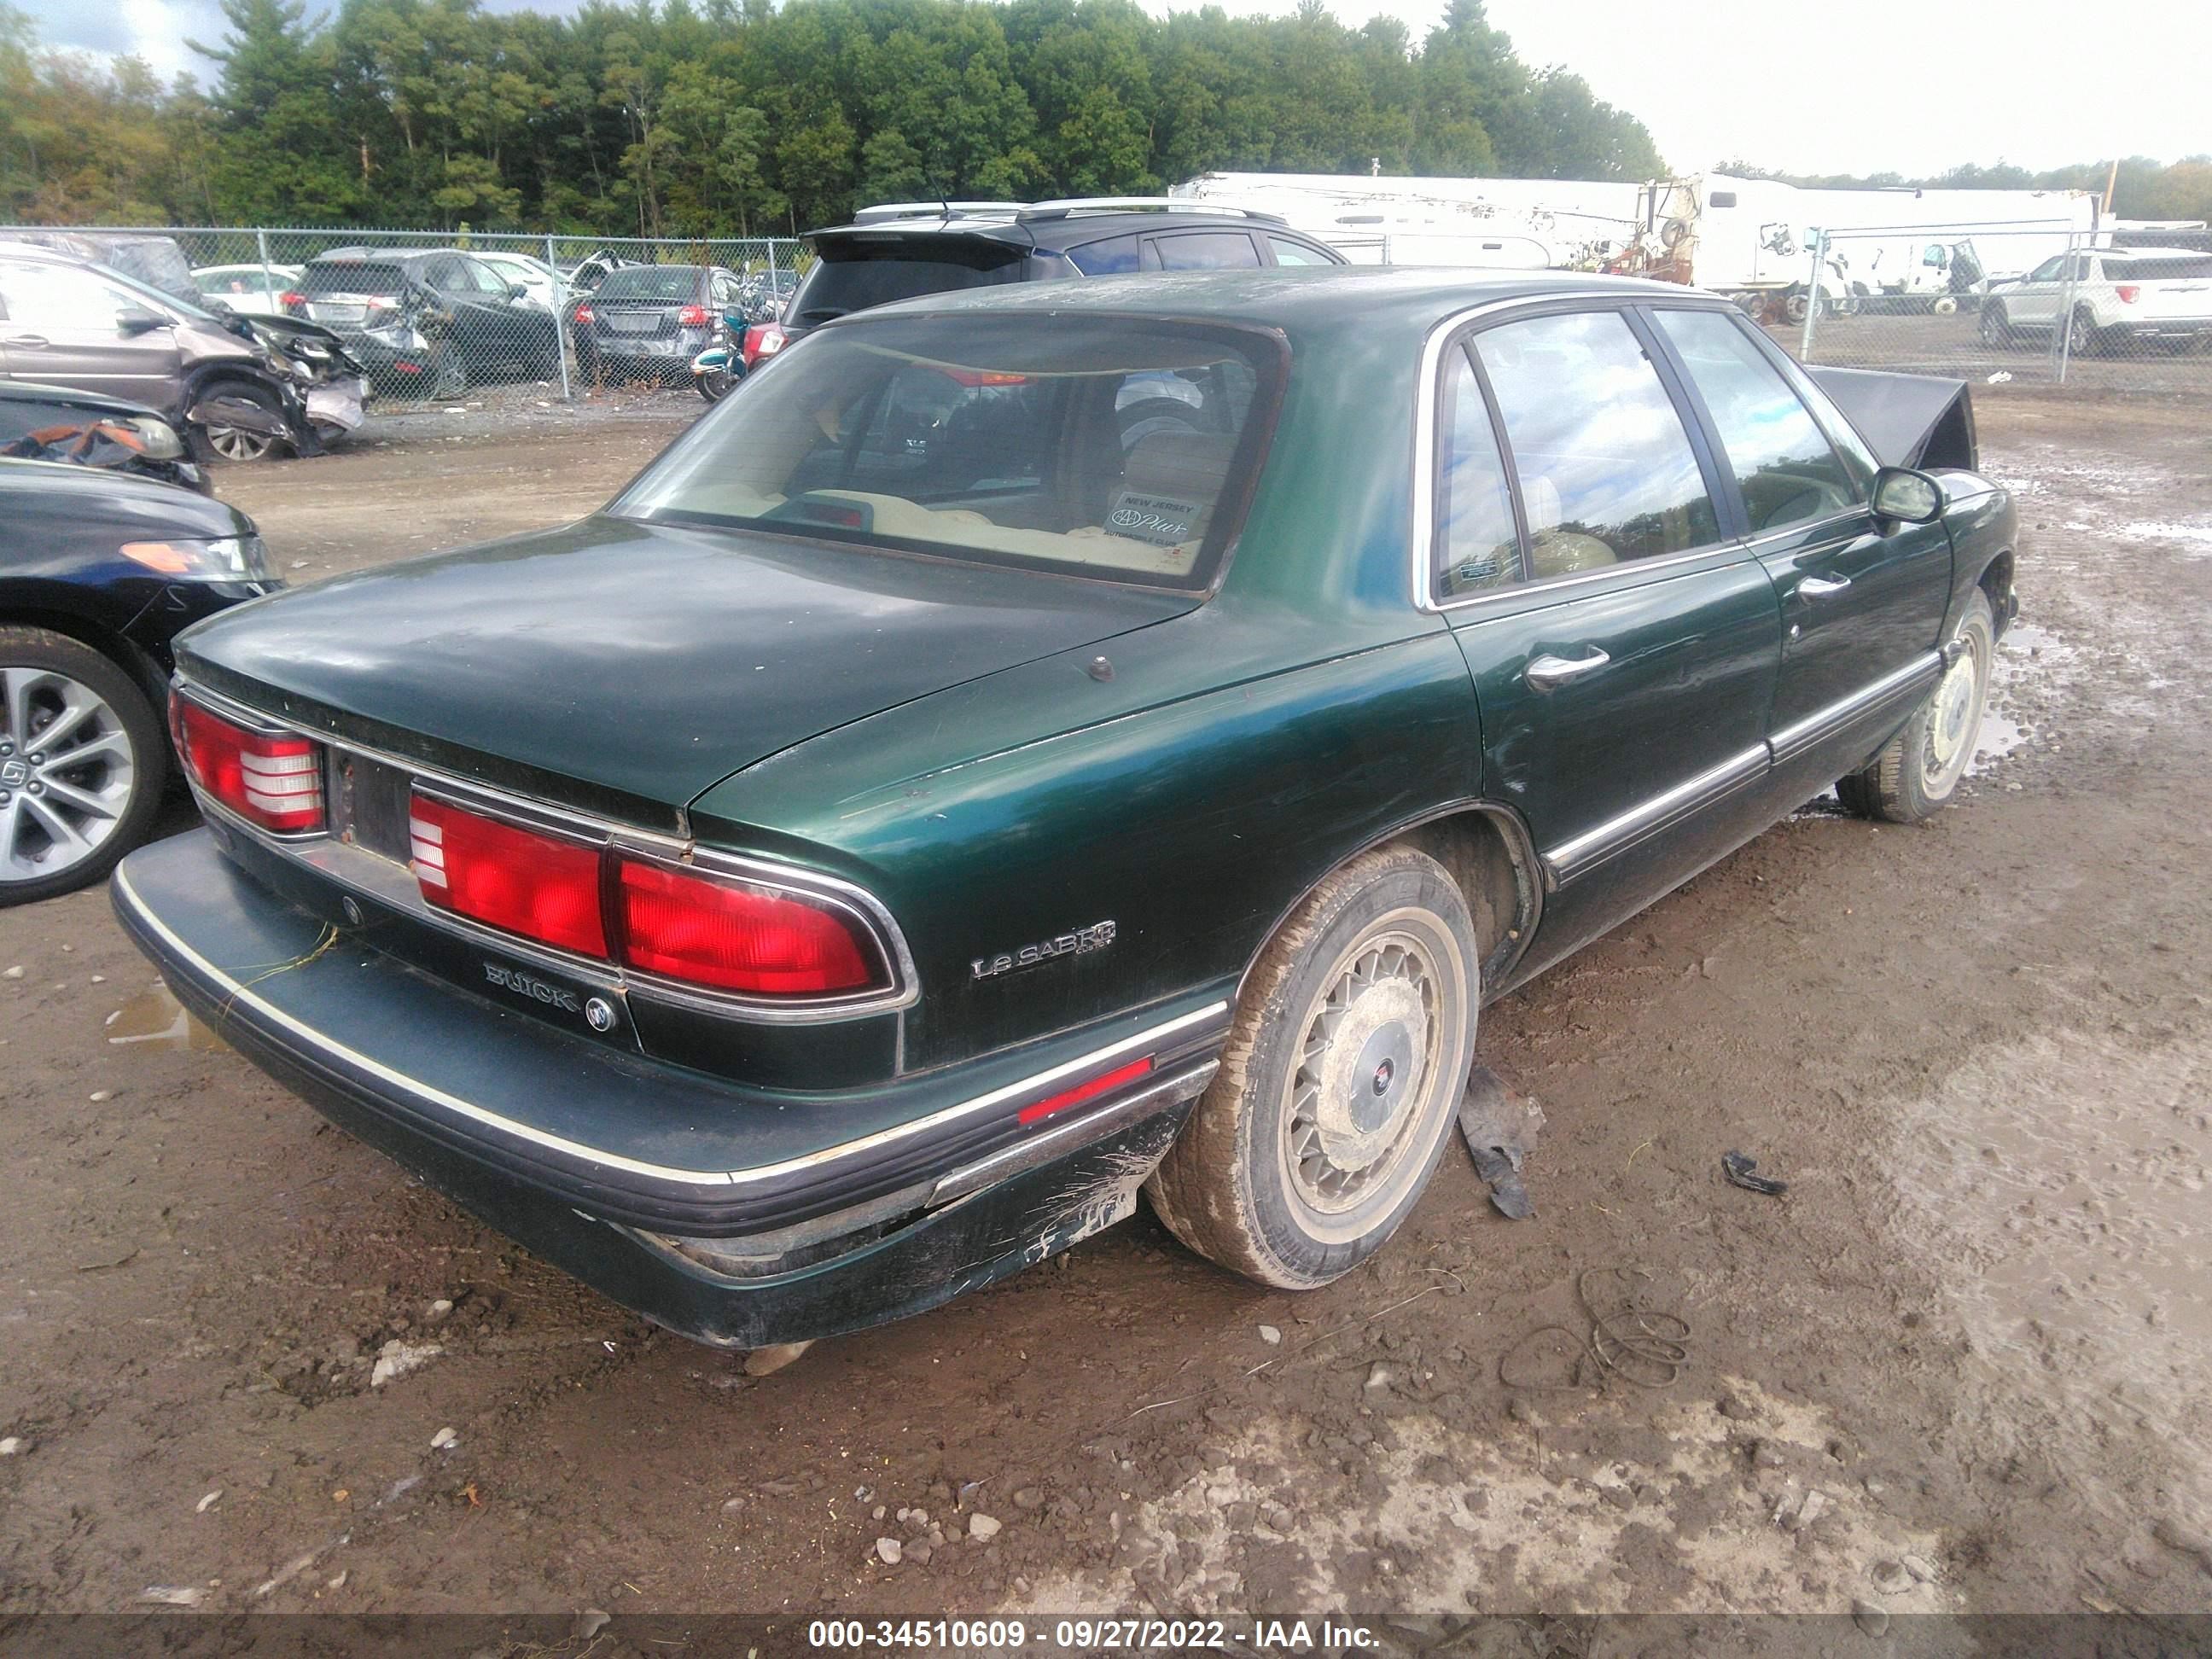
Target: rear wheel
(2082, 334)
(82, 764)
(1917, 774)
(1337, 1088)
(449, 372)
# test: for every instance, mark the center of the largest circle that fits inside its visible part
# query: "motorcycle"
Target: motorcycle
(722, 364)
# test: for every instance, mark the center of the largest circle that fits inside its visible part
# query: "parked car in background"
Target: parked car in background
(541, 284)
(2106, 297)
(158, 261)
(89, 429)
(239, 388)
(902, 250)
(648, 322)
(255, 290)
(1054, 738)
(428, 323)
(98, 573)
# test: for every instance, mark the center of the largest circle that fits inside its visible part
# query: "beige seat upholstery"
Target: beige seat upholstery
(1553, 552)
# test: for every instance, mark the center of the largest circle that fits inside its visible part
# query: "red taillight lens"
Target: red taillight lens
(2128, 293)
(762, 340)
(586, 314)
(692, 316)
(737, 937)
(536, 885)
(291, 299)
(274, 782)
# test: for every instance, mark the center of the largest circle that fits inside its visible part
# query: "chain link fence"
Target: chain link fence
(2056, 305)
(467, 319)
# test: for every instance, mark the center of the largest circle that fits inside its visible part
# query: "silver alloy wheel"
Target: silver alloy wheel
(66, 770)
(235, 443)
(1369, 1052)
(1955, 714)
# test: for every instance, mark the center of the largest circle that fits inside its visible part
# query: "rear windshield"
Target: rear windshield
(352, 276)
(849, 276)
(1118, 447)
(2197, 265)
(651, 283)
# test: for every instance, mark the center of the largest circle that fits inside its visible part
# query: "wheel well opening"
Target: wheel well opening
(1996, 582)
(1487, 855)
(129, 657)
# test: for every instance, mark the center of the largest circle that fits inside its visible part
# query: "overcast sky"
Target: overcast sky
(1862, 86)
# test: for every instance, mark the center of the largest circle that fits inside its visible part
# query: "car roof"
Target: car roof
(1307, 299)
(1054, 225)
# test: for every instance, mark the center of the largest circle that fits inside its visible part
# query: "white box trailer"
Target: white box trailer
(1512, 224)
(1754, 237)
(1750, 238)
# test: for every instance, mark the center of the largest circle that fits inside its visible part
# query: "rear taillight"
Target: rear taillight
(762, 340)
(2127, 292)
(537, 885)
(584, 314)
(275, 780)
(291, 299)
(734, 937)
(692, 316)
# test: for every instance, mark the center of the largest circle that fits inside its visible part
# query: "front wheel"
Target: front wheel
(1916, 773)
(217, 439)
(1344, 1067)
(1996, 328)
(82, 762)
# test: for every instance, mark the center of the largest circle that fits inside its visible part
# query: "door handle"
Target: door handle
(1819, 587)
(1546, 671)
(26, 340)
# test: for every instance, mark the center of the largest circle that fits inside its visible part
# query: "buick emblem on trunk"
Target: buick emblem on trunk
(537, 990)
(1097, 937)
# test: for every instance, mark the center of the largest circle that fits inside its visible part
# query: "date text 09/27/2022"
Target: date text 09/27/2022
(1091, 1635)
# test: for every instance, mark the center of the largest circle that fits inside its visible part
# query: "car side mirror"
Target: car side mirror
(133, 320)
(517, 291)
(1906, 496)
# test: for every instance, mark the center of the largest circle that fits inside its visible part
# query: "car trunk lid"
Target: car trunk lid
(623, 668)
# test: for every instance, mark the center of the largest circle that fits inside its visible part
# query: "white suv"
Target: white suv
(2110, 294)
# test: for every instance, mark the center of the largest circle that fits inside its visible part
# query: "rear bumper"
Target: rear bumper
(637, 1176)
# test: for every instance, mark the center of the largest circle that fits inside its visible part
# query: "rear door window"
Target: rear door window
(1478, 544)
(1786, 468)
(1288, 252)
(1605, 465)
(1206, 250)
(1111, 257)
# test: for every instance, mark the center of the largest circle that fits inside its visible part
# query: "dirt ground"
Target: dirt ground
(1962, 1364)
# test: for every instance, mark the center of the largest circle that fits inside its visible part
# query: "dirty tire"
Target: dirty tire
(449, 375)
(37, 667)
(1995, 328)
(1231, 1187)
(1918, 770)
(1945, 306)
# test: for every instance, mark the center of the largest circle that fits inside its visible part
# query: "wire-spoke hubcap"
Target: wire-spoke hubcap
(65, 773)
(1368, 1051)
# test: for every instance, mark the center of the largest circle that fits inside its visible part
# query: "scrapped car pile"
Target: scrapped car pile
(238, 386)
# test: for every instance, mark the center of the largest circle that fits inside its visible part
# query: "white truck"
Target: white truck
(2106, 297)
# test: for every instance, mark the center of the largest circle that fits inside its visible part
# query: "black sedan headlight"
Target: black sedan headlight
(213, 559)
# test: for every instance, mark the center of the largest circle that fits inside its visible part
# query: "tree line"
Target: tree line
(722, 117)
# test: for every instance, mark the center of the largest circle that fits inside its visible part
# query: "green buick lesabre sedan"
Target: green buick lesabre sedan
(1036, 745)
